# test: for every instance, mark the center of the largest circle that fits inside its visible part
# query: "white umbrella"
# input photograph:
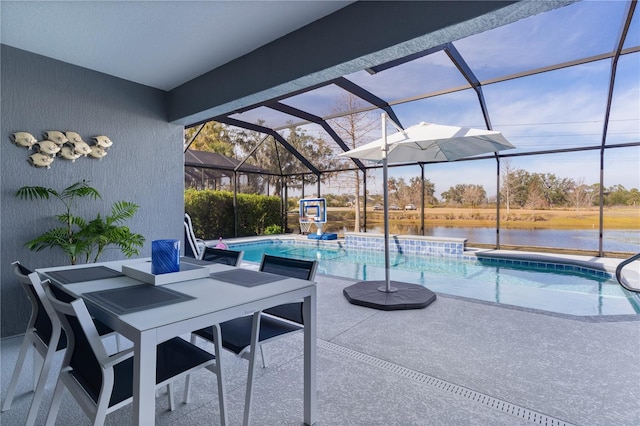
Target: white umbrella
(424, 143)
(429, 143)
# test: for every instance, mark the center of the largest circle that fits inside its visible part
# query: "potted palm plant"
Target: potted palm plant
(79, 238)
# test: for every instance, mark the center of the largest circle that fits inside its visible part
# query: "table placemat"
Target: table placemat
(70, 276)
(136, 298)
(194, 261)
(246, 277)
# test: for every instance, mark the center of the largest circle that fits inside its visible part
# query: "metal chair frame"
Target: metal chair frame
(98, 409)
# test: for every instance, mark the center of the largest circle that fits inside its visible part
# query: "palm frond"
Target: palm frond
(121, 211)
(36, 192)
(80, 189)
(52, 238)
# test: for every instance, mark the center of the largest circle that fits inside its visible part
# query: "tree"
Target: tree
(580, 195)
(520, 184)
(214, 137)
(470, 194)
(414, 191)
(353, 128)
(634, 197)
(535, 198)
(618, 195)
(474, 195)
(554, 189)
(272, 156)
(508, 182)
(453, 195)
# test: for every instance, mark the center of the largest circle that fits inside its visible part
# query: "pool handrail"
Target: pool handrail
(621, 279)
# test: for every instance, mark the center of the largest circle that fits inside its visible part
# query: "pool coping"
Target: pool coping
(604, 264)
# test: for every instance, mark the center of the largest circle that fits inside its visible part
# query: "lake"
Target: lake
(619, 240)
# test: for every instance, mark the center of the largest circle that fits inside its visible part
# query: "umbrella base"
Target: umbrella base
(407, 296)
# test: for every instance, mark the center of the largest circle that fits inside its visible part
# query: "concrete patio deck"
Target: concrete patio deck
(457, 362)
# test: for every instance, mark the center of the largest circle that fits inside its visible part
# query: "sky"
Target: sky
(552, 110)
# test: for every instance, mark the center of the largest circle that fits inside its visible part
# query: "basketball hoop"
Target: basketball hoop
(304, 227)
(312, 211)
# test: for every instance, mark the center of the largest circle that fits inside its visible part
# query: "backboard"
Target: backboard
(313, 210)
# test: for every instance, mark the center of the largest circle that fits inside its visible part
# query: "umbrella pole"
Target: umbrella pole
(385, 195)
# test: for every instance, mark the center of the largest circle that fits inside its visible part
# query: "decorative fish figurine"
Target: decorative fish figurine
(97, 152)
(56, 136)
(102, 141)
(40, 160)
(81, 147)
(73, 137)
(47, 147)
(68, 153)
(23, 139)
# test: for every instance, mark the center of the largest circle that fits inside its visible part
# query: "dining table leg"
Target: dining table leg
(144, 378)
(217, 343)
(310, 358)
(255, 334)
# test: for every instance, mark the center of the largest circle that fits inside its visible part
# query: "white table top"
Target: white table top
(210, 295)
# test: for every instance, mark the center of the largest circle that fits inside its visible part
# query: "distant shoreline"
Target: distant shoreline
(614, 217)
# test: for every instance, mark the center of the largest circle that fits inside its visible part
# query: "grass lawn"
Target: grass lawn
(614, 217)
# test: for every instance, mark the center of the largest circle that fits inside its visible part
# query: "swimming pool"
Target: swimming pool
(544, 286)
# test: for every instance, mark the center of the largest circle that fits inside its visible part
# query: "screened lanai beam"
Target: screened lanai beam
(278, 106)
(230, 169)
(562, 65)
(367, 96)
(462, 66)
(193, 138)
(284, 96)
(267, 131)
(255, 148)
(197, 172)
(614, 66)
(376, 69)
(631, 6)
(517, 154)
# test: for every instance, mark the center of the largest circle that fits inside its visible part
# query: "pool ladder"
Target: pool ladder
(622, 279)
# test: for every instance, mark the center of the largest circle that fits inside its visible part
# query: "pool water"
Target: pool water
(583, 293)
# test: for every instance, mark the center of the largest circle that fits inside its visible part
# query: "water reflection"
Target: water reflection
(621, 240)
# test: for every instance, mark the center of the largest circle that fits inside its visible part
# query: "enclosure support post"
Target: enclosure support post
(364, 185)
(285, 216)
(235, 204)
(421, 198)
(497, 202)
(631, 6)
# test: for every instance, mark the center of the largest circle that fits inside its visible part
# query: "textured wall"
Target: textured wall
(145, 164)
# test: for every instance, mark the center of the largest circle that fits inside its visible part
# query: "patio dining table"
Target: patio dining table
(180, 308)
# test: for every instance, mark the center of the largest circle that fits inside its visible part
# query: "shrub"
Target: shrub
(273, 230)
(212, 213)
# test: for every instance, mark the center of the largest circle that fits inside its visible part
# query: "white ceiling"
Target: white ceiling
(161, 44)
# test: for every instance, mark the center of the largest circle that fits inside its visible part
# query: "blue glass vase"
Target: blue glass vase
(165, 256)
